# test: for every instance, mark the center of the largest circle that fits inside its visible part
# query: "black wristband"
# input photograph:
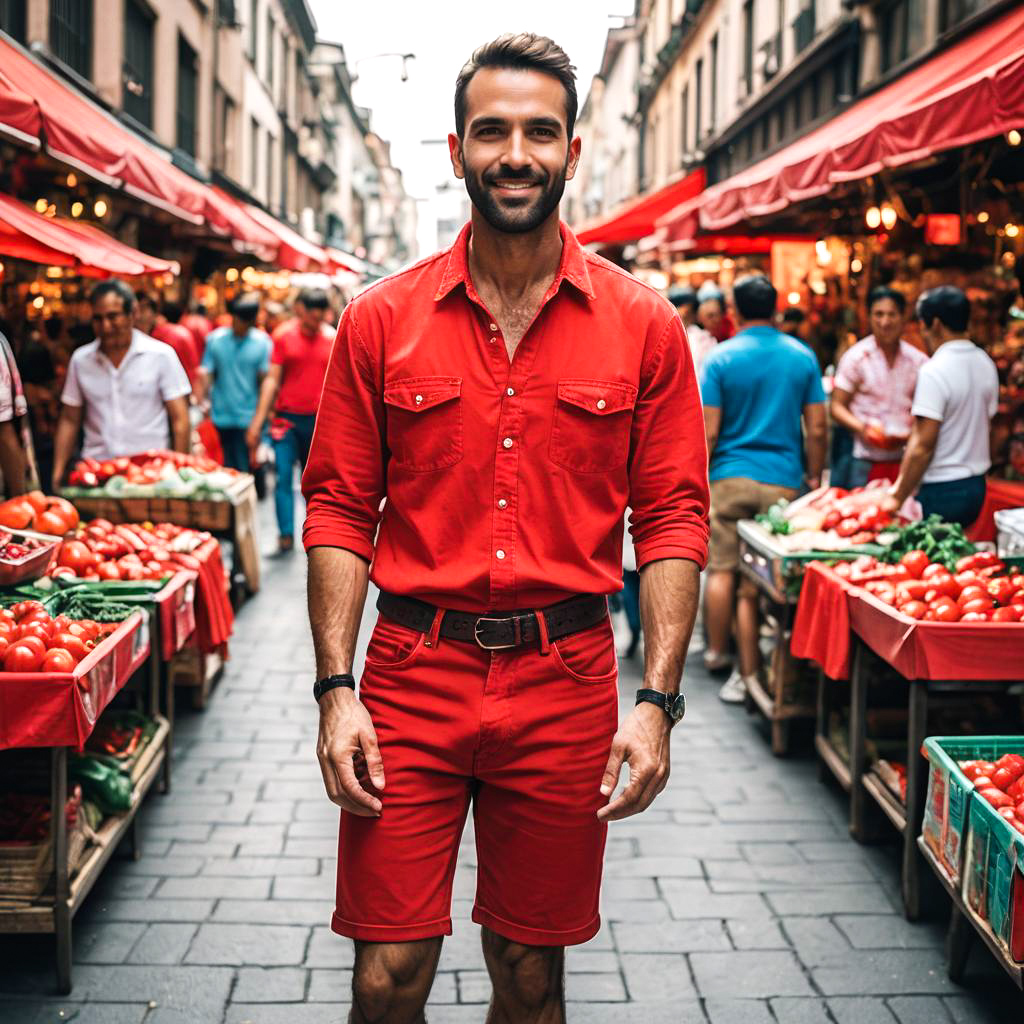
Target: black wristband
(321, 686)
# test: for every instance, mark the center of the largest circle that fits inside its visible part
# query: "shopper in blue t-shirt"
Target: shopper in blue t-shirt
(764, 411)
(235, 361)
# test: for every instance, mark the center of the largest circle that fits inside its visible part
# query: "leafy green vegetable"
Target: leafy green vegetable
(942, 542)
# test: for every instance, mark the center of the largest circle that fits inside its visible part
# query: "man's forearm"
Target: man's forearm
(63, 445)
(916, 460)
(268, 392)
(12, 460)
(669, 590)
(842, 415)
(337, 592)
(815, 448)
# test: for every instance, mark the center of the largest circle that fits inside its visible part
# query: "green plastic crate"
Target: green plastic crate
(947, 807)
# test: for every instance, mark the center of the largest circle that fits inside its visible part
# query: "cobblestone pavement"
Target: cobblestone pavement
(737, 898)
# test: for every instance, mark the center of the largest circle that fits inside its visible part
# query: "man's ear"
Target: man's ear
(455, 152)
(575, 148)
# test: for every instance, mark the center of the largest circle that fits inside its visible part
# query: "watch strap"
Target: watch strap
(321, 686)
(673, 704)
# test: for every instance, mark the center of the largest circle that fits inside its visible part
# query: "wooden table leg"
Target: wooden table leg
(62, 879)
(959, 940)
(917, 781)
(858, 738)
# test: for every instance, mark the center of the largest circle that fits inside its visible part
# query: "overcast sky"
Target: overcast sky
(443, 34)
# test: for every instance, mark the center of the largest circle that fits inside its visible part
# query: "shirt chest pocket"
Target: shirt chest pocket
(424, 422)
(591, 426)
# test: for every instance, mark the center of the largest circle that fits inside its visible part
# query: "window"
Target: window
(270, 169)
(270, 53)
(713, 85)
(71, 34)
(698, 102)
(254, 155)
(804, 27)
(254, 19)
(188, 81)
(12, 18)
(684, 122)
(137, 71)
(901, 30)
(952, 12)
(225, 112)
(748, 47)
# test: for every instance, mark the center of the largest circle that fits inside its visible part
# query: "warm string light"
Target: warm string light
(1013, 137)
(983, 217)
(100, 208)
(77, 209)
(873, 218)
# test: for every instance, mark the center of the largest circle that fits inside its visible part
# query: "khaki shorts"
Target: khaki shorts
(733, 499)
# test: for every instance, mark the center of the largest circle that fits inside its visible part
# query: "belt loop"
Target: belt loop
(542, 632)
(434, 636)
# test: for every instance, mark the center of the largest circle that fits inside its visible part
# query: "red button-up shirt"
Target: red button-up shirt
(507, 482)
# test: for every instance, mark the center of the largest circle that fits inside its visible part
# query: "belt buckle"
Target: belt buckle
(480, 643)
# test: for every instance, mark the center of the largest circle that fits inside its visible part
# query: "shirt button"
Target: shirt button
(419, 398)
(502, 503)
(507, 443)
(510, 392)
(601, 403)
(499, 553)
(494, 327)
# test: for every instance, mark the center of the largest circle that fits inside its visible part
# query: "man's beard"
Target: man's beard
(516, 220)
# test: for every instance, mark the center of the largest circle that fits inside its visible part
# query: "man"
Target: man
(129, 390)
(956, 396)
(163, 325)
(873, 391)
(701, 341)
(302, 348)
(794, 322)
(711, 316)
(198, 324)
(15, 441)
(509, 397)
(235, 362)
(758, 388)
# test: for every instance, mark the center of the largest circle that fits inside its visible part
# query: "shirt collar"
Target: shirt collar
(133, 347)
(571, 268)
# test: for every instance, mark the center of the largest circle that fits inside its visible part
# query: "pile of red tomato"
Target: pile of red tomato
(980, 589)
(147, 468)
(1001, 783)
(31, 641)
(38, 511)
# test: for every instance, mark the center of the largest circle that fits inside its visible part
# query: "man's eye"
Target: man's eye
(543, 131)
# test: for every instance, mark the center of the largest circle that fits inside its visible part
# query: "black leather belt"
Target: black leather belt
(500, 630)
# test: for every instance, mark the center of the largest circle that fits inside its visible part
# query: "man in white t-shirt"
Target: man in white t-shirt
(701, 342)
(955, 399)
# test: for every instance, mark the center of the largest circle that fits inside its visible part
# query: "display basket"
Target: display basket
(31, 566)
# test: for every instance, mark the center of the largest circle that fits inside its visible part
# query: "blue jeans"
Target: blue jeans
(236, 451)
(957, 501)
(292, 448)
(631, 602)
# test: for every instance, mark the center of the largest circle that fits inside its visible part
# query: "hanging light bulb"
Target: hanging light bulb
(888, 215)
(1013, 137)
(873, 218)
(41, 205)
(77, 209)
(856, 264)
(1012, 230)
(72, 180)
(100, 208)
(231, 274)
(793, 298)
(983, 217)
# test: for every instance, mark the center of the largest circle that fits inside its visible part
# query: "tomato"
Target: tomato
(1009, 614)
(945, 610)
(102, 524)
(1004, 778)
(969, 578)
(51, 523)
(35, 643)
(934, 569)
(6, 613)
(916, 562)
(915, 609)
(1019, 810)
(971, 593)
(16, 514)
(832, 520)
(132, 572)
(22, 658)
(74, 645)
(1007, 812)
(975, 617)
(848, 527)
(945, 585)
(22, 608)
(983, 781)
(996, 797)
(36, 499)
(108, 571)
(63, 508)
(75, 554)
(61, 570)
(4, 644)
(842, 570)
(1016, 789)
(1001, 590)
(58, 660)
(978, 604)
(39, 629)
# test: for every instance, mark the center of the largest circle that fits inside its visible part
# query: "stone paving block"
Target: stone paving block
(270, 846)
(199, 991)
(239, 834)
(839, 850)
(91, 1013)
(647, 911)
(919, 1010)
(800, 1011)
(164, 867)
(670, 937)
(738, 1011)
(274, 911)
(816, 940)
(327, 949)
(274, 813)
(207, 849)
(749, 975)
(771, 853)
(113, 885)
(889, 931)
(759, 810)
(839, 899)
(163, 943)
(861, 1010)
(665, 1011)
(648, 974)
(326, 846)
(591, 961)
(286, 1013)
(261, 867)
(155, 910)
(214, 887)
(473, 986)
(604, 987)
(326, 829)
(885, 972)
(689, 899)
(245, 945)
(629, 889)
(95, 943)
(759, 934)
(270, 985)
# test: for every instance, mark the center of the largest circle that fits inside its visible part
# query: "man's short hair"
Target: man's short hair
(883, 291)
(245, 306)
(683, 295)
(947, 304)
(172, 311)
(755, 297)
(793, 315)
(519, 51)
(313, 298)
(115, 286)
(146, 300)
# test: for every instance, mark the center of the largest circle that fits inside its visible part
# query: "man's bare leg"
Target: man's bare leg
(528, 981)
(719, 593)
(391, 981)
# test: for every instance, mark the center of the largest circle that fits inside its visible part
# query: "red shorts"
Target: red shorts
(522, 736)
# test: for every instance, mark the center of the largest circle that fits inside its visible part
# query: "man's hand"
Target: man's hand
(642, 740)
(252, 436)
(890, 502)
(349, 757)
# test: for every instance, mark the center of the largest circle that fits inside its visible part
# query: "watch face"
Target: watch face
(677, 708)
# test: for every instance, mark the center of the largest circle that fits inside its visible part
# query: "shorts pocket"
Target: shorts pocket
(591, 426)
(424, 422)
(588, 656)
(392, 645)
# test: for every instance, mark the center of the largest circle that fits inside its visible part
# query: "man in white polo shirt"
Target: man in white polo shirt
(128, 390)
(956, 396)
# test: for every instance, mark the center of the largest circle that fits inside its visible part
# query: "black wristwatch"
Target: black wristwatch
(321, 686)
(673, 704)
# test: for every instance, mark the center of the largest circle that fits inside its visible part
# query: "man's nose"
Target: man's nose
(516, 153)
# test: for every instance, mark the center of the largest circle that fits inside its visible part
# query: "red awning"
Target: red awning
(27, 235)
(294, 252)
(344, 262)
(974, 90)
(248, 235)
(19, 115)
(636, 218)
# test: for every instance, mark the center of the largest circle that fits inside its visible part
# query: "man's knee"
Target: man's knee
(529, 975)
(389, 976)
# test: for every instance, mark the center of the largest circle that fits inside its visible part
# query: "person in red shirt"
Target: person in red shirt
(488, 415)
(199, 326)
(162, 325)
(298, 363)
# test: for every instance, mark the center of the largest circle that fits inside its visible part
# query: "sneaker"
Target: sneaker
(715, 662)
(285, 545)
(734, 689)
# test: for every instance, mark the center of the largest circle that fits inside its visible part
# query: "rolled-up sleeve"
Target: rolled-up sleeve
(668, 479)
(344, 480)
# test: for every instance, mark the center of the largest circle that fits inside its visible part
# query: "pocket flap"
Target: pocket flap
(600, 397)
(418, 393)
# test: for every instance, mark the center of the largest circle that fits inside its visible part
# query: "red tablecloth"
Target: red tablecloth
(59, 709)
(821, 630)
(215, 617)
(999, 494)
